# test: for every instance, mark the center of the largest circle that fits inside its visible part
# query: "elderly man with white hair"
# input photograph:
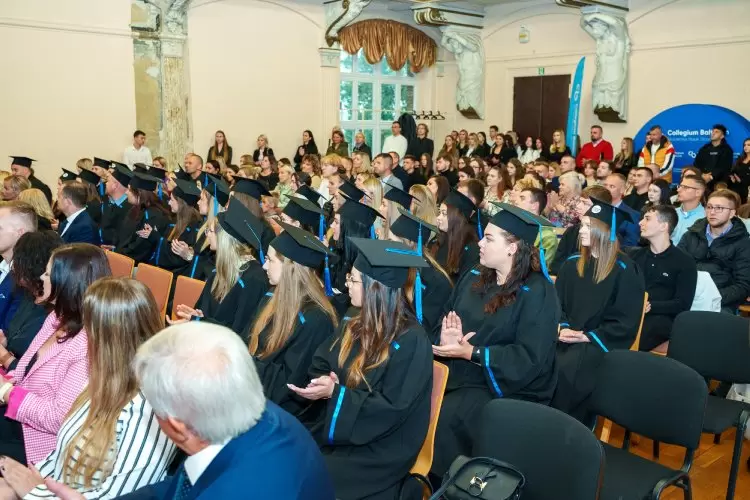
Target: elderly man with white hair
(205, 391)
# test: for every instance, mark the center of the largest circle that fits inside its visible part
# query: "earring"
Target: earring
(510, 254)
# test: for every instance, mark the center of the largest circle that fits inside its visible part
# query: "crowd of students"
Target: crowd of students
(345, 278)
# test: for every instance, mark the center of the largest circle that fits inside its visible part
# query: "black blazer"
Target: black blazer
(310, 149)
(266, 152)
(81, 230)
(363, 148)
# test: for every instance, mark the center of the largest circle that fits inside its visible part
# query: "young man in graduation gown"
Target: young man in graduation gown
(601, 294)
(499, 332)
(116, 205)
(21, 165)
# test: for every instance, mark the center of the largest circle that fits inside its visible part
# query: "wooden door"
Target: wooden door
(540, 105)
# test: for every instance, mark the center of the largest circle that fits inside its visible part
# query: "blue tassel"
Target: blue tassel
(479, 226)
(321, 227)
(195, 265)
(372, 232)
(158, 252)
(418, 296)
(158, 190)
(146, 214)
(327, 279)
(542, 258)
(260, 243)
(101, 189)
(612, 229)
(216, 202)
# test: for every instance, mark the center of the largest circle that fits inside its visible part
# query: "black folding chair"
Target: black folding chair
(559, 456)
(658, 398)
(717, 346)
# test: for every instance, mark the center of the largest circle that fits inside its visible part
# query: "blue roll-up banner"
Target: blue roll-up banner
(689, 127)
(575, 107)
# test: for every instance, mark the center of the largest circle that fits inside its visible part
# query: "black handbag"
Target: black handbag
(481, 478)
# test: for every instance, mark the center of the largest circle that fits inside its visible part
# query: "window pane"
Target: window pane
(368, 136)
(387, 69)
(349, 136)
(362, 65)
(345, 106)
(347, 61)
(388, 102)
(407, 98)
(364, 101)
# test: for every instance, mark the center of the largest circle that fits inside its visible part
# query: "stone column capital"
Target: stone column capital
(329, 57)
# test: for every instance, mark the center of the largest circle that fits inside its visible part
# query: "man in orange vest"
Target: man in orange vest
(659, 151)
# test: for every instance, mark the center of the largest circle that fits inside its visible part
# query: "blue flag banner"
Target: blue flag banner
(575, 107)
(689, 126)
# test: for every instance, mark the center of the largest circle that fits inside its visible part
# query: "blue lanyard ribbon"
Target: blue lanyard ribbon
(326, 270)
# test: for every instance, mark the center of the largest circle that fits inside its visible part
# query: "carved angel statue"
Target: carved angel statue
(340, 14)
(468, 49)
(610, 87)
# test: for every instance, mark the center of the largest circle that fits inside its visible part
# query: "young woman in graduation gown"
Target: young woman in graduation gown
(601, 295)
(295, 320)
(499, 334)
(185, 229)
(249, 192)
(371, 384)
(145, 222)
(456, 248)
(437, 285)
(236, 289)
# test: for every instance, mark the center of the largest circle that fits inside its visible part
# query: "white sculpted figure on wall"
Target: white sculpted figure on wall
(610, 88)
(467, 47)
(341, 14)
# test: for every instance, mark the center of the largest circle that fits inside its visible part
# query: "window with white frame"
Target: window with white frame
(372, 97)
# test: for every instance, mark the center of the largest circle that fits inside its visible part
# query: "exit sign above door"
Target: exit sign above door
(540, 71)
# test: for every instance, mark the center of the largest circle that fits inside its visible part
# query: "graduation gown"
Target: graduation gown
(113, 216)
(95, 211)
(204, 260)
(289, 365)
(437, 290)
(135, 247)
(608, 312)
(567, 246)
(239, 307)
(370, 437)
(165, 258)
(469, 258)
(37, 184)
(518, 359)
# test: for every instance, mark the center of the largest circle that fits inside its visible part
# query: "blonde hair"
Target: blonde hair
(561, 147)
(17, 183)
(232, 257)
(600, 245)
(366, 166)
(84, 164)
(250, 172)
(333, 160)
(372, 183)
(119, 314)
(426, 207)
(298, 286)
(162, 161)
(289, 170)
(4, 174)
(263, 136)
(36, 199)
(246, 160)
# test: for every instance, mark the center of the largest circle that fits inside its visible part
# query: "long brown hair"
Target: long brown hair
(298, 287)
(224, 151)
(119, 315)
(186, 216)
(460, 233)
(232, 257)
(384, 316)
(146, 200)
(605, 250)
(250, 203)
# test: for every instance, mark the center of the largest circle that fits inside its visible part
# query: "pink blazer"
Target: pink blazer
(43, 396)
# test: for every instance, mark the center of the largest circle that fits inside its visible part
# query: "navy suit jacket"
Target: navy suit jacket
(82, 230)
(9, 301)
(629, 232)
(276, 459)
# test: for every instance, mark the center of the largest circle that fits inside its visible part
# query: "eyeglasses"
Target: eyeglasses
(716, 208)
(350, 279)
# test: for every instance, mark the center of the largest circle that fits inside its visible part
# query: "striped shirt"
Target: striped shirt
(141, 453)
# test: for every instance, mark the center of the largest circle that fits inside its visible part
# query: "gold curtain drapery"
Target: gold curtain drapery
(396, 41)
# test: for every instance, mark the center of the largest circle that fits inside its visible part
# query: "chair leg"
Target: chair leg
(656, 450)
(736, 455)
(717, 438)
(688, 488)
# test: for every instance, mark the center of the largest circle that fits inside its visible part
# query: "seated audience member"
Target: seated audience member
(370, 385)
(110, 443)
(690, 197)
(474, 190)
(234, 292)
(498, 183)
(534, 200)
(456, 248)
(567, 164)
(720, 245)
(411, 167)
(44, 216)
(498, 336)
(32, 253)
(423, 205)
(629, 232)
(383, 165)
(604, 170)
(669, 273)
(186, 225)
(38, 400)
(250, 193)
(146, 220)
(311, 166)
(562, 209)
(116, 205)
(93, 186)
(269, 172)
(16, 219)
(78, 227)
(601, 295)
(444, 168)
(715, 157)
(13, 185)
(296, 319)
(658, 194)
(639, 196)
(439, 187)
(589, 173)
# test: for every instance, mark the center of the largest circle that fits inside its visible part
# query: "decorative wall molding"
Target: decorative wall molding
(8, 22)
(283, 5)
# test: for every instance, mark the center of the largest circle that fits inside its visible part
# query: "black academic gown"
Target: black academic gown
(132, 245)
(113, 216)
(609, 313)
(23, 327)
(96, 211)
(566, 246)
(469, 258)
(371, 436)
(203, 263)
(165, 258)
(437, 291)
(239, 307)
(289, 365)
(37, 184)
(518, 359)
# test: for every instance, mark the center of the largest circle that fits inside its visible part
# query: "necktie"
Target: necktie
(182, 492)
(63, 225)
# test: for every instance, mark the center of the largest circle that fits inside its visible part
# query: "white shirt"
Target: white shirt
(397, 144)
(196, 465)
(4, 270)
(69, 220)
(324, 192)
(131, 156)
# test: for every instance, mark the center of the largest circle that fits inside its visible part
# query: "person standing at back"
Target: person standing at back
(715, 157)
(658, 151)
(21, 166)
(137, 152)
(598, 149)
(396, 142)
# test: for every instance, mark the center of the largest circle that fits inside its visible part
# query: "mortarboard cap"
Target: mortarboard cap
(301, 247)
(187, 191)
(304, 211)
(461, 202)
(354, 210)
(158, 172)
(100, 162)
(610, 215)
(524, 225)
(310, 193)
(386, 261)
(352, 191)
(408, 226)
(216, 188)
(90, 177)
(399, 196)
(143, 181)
(140, 168)
(68, 175)
(242, 225)
(122, 174)
(251, 187)
(181, 174)
(22, 161)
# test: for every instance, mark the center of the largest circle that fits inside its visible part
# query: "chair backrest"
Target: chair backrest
(716, 345)
(654, 396)
(121, 265)
(439, 380)
(637, 344)
(159, 281)
(559, 456)
(187, 291)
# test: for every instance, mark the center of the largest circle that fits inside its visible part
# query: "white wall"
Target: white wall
(67, 88)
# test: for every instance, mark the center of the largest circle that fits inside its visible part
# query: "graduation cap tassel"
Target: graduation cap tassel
(479, 225)
(216, 202)
(327, 279)
(372, 232)
(101, 189)
(418, 280)
(613, 228)
(542, 258)
(159, 191)
(260, 243)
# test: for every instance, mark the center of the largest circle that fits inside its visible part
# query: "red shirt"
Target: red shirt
(599, 152)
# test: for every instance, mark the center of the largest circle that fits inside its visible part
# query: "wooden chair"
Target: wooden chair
(186, 291)
(159, 281)
(424, 460)
(121, 265)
